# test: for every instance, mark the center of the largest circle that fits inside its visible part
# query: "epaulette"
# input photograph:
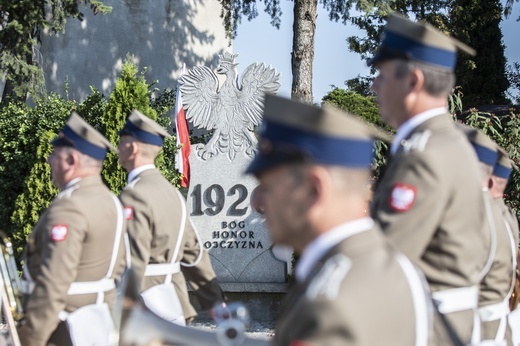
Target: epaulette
(67, 193)
(328, 281)
(417, 142)
(132, 183)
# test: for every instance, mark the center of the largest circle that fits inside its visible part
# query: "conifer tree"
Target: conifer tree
(482, 78)
(130, 92)
(21, 23)
(38, 191)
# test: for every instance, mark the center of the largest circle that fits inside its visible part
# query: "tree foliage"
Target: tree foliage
(130, 92)
(483, 78)
(513, 75)
(21, 131)
(508, 8)
(304, 27)
(21, 23)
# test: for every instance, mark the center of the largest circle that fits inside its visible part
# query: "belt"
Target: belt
(90, 287)
(456, 299)
(494, 312)
(83, 287)
(162, 269)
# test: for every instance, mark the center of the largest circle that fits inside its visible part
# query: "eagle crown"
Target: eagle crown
(226, 63)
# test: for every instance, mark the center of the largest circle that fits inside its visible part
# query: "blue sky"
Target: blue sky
(258, 41)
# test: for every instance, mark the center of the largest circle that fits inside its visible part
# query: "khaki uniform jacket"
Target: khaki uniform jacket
(496, 285)
(154, 216)
(510, 217)
(357, 294)
(430, 204)
(72, 242)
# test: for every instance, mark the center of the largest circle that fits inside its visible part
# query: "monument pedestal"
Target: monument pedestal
(235, 236)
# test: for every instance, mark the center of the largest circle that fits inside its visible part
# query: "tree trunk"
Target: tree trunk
(302, 56)
(8, 95)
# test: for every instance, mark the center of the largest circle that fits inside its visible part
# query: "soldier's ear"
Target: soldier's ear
(135, 147)
(317, 179)
(416, 80)
(491, 183)
(70, 158)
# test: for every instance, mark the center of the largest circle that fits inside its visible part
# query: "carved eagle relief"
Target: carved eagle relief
(233, 110)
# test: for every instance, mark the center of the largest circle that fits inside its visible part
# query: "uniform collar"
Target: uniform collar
(319, 246)
(136, 171)
(71, 183)
(408, 126)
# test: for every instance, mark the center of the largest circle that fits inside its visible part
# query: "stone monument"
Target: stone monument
(235, 236)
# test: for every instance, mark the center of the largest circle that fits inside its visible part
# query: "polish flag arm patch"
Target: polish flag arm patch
(402, 197)
(129, 213)
(298, 343)
(59, 232)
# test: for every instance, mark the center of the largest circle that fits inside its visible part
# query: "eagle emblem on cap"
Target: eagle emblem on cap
(232, 110)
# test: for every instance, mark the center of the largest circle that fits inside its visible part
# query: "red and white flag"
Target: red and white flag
(182, 163)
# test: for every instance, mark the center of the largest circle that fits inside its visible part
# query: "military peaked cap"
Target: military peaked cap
(418, 41)
(78, 134)
(484, 146)
(144, 129)
(503, 167)
(292, 131)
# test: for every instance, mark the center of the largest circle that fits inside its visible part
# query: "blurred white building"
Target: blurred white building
(161, 34)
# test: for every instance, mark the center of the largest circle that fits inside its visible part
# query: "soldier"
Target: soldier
(75, 251)
(429, 201)
(313, 169)
(165, 246)
(499, 274)
(499, 179)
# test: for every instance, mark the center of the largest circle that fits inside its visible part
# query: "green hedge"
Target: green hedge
(25, 133)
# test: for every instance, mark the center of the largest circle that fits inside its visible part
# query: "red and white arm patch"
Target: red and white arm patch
(129, 213)
(298, 343)
(402, 197)
(59, 232)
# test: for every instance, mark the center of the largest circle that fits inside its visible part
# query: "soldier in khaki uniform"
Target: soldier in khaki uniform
(499, 179)
(498, 278)
(159, 227)
(429, 201)
(75, 251)
(352, 287)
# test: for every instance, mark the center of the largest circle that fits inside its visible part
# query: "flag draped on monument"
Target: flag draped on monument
(182, 163)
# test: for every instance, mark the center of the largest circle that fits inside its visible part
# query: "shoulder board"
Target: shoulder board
(67, 193)
(328, 281)
(131, 184)
(417, 142)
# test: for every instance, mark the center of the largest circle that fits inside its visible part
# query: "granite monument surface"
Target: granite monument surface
(235, 236)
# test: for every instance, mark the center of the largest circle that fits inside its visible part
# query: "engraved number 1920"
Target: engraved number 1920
(214, 199)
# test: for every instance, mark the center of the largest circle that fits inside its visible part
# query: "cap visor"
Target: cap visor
(263, 162)
(124, 131)
(61, 142)
(386, 53)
